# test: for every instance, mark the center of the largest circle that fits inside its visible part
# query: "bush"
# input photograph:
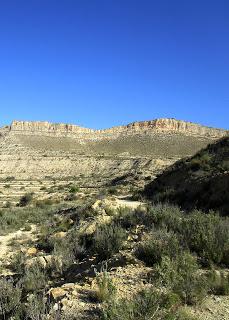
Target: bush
(166, 216)
(37, 307)
(10, 296)
(145, 305)
(74, 189)
(17, 263)
(158, 244)
(218, 283)
(63, 255)
(76, 243)
(105, 287)
(208, 236)
(181, 275)
(35, 278)
(129, 218)
(26, 199)
(108, 239)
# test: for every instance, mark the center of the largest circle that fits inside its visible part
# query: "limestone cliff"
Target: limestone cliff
(143, 127)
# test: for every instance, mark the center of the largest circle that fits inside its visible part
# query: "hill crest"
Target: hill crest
(166, 125)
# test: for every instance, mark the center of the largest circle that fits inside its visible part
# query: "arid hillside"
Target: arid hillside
(34, 154)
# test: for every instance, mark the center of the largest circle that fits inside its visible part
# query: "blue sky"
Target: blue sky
(100, 63)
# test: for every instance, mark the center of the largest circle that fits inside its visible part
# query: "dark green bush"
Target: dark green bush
(26, 199)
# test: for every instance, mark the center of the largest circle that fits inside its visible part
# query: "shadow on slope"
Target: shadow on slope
(201, 181)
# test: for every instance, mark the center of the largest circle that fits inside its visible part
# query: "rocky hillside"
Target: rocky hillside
(39, 152)
(201, 181)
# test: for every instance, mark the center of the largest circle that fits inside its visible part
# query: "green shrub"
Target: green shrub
(166, 216)
(73, 189)
(158, 244)
(17, 263)
(129, 218)
(208, 236)
(181, 275)
(35, 278)
(37, 307)
(10, 296)
(145, 305)
(105, 286)
(108, 239)
(8, 204)
(112, 190)
(43, 203)
(63, 256)
(76, 243)
(218, 282)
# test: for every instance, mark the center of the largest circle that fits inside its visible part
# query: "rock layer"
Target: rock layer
(149, 127)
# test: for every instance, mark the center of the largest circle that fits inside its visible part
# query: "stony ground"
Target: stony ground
(128, 273)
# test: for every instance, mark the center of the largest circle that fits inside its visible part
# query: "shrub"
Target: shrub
(208, 236)
(26, 199)
(37, 307)
(63, 255)
(8, 204)
(129, 218)
(112, 190)
(166, 215)
(181, 275)
(76, 243)
(74, 189)
(108, 239)
(218, 283)
(17, 263)
(105, 286)
(35, 278)
(10, 296)
(158, 244)
(145, 305)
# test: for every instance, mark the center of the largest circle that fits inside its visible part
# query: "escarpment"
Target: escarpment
(131, 154)
(143, 127)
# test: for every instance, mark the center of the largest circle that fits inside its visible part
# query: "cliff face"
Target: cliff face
(150, 127)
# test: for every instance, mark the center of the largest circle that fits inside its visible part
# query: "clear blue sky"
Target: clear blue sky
(100, 63)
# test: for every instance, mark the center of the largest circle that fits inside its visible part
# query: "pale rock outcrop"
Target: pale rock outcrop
(149, 127)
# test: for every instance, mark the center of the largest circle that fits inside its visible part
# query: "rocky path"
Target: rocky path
(6, 239)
